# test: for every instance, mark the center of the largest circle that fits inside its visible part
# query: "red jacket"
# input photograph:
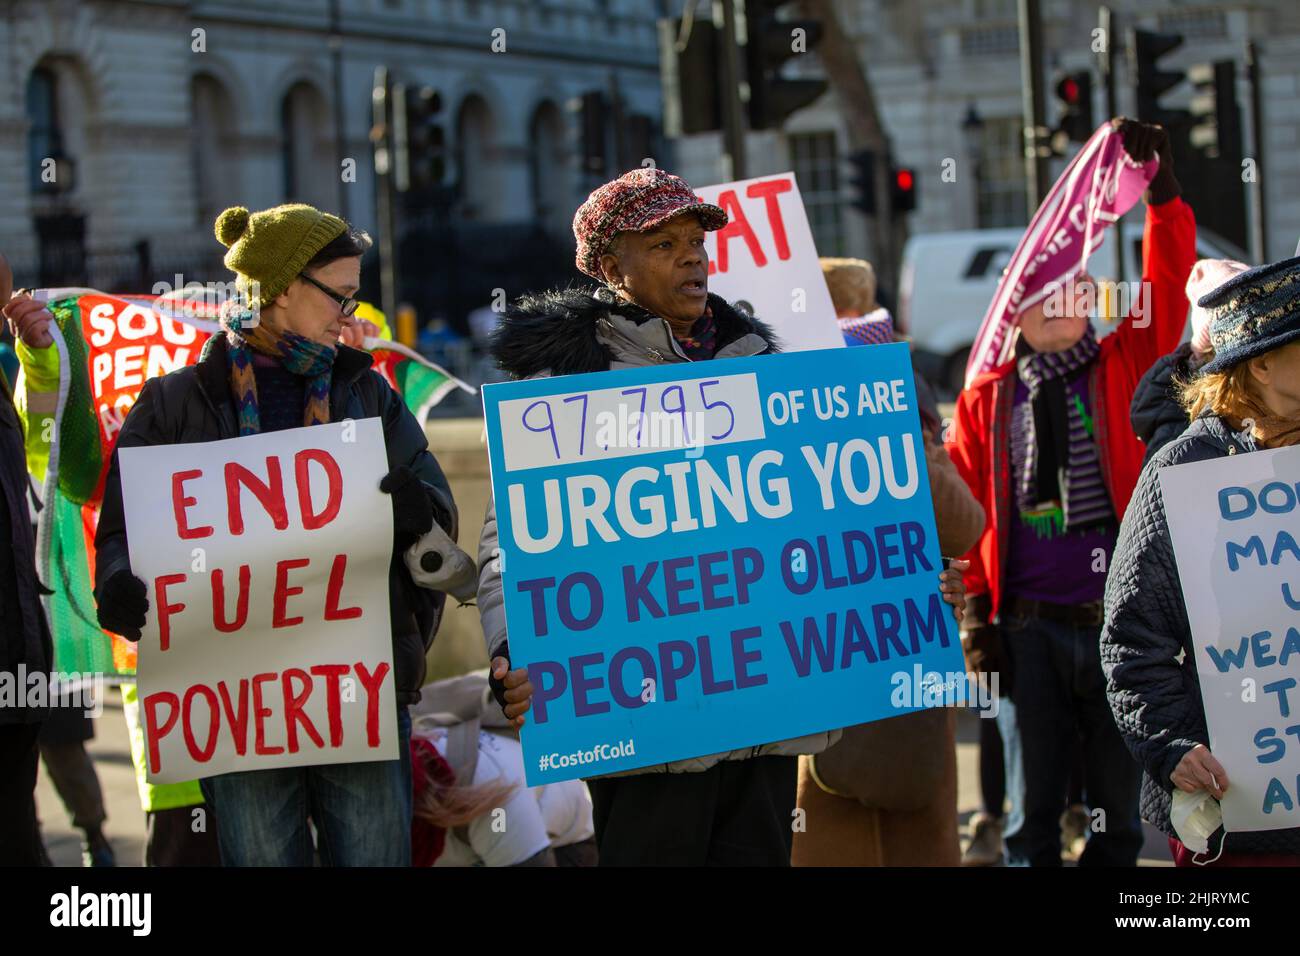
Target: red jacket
(979, 441)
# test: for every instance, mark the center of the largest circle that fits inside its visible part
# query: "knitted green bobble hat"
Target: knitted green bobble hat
(273, 246)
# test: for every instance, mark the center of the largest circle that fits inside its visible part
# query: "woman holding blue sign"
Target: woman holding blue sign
(1245, 398)
(643, 237)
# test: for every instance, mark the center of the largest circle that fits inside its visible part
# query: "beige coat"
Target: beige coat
(841, 832)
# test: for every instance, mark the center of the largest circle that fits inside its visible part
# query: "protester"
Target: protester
(852, 284)
(63, 752)
(1246, 398)
(172, 839)
(25, 645)
(64, 735)
(1045, 443)
(286, 368)
(180, 826)
(1157, 412)
(642, 236)
(472, 804)
(845, 827)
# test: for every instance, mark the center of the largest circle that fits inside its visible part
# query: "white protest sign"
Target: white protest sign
(268, 641)
(1234, 526)
(765, 256)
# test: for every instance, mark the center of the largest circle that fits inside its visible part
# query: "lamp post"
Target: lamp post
(1031, 84)
(972, 131)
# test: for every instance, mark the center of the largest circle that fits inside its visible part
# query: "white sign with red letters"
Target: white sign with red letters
(765, 256)
(267, 642)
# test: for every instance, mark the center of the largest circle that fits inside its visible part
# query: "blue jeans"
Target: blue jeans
(1059, 691)
(1002, 773)
(362, 811)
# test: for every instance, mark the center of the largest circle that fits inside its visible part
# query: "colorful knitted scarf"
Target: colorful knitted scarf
(312, 360)
(1060, 482)
(702, 341)
(699, 344)
(874, 328)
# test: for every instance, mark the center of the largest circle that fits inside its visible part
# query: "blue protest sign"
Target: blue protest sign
(702, 557)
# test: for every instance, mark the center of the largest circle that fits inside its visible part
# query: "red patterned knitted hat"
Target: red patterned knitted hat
(636, 201)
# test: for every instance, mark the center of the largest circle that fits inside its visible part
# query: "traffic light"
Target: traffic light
(863, 180)
(1153, 82)
(688, 76)
(902, 189)
(1074, 97)
(426, 141)
(1216, 118)
(902, 185)
(769, 43)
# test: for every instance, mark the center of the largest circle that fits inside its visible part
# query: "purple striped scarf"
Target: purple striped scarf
(1059, 482)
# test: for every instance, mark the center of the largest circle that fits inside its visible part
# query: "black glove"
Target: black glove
(498, 689)
(1141, 142)
(123, 602)
(412, 509)
(981, 642)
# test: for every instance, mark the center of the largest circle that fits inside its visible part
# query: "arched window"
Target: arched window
(476, 159)
(307, 148)
(43, 137)
(215, 155)
(60, 168)
(548, 169)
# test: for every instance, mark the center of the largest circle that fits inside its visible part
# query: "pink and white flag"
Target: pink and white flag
(1101, 184)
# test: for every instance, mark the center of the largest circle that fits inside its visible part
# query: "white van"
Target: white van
(948, 280)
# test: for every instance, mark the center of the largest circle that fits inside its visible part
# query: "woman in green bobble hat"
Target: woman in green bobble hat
(279, 364)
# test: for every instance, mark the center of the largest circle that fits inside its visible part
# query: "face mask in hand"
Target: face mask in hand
(1195, 818)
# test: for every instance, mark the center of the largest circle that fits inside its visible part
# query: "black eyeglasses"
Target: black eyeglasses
(347, 304)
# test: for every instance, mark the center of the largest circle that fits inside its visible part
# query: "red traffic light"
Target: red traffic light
(1075, 89)
(902, 194)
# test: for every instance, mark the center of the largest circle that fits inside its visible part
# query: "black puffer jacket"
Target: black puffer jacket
(1155, 699)
(578, 329)
(1155, 412)
(24, 636)
(194, 404)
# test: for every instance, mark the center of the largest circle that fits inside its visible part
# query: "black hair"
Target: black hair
(348, 244)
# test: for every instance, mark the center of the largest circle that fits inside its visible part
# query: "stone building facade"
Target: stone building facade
(149, 116)
(129, 124)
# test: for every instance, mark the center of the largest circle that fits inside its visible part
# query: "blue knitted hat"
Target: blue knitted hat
(1252, 313)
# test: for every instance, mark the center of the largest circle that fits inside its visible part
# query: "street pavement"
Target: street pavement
(458, 648)
(125, 828)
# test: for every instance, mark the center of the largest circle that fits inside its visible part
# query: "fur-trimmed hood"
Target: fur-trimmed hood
(559, 332)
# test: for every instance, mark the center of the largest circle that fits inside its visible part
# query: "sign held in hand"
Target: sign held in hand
(268, 637)
(704, 557)
(1233, 524)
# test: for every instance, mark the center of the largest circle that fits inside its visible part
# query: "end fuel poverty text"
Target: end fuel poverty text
(854, 473)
